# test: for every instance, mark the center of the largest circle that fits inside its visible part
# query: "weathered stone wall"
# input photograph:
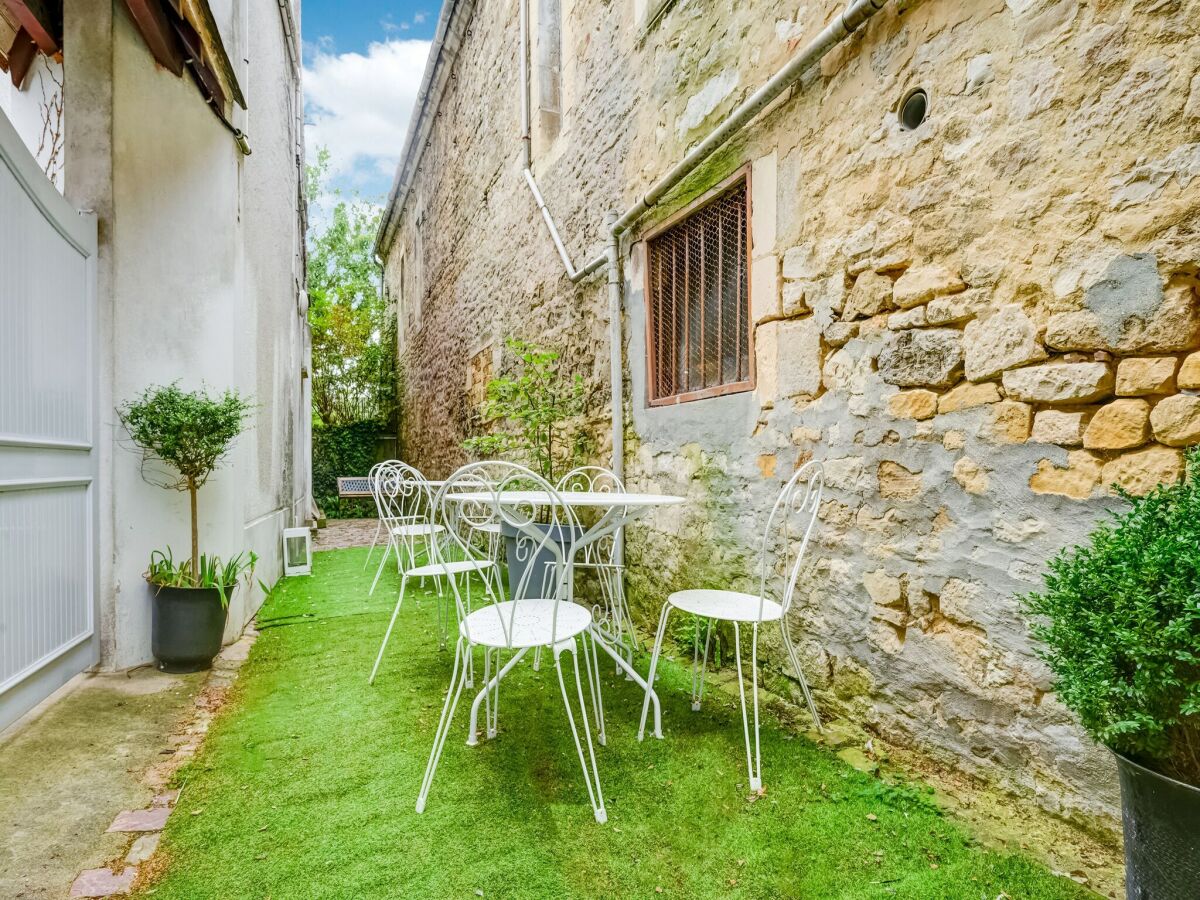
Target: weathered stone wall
(978, 325)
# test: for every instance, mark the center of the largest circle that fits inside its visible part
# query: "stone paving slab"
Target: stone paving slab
(152, 819)
(166, 798)
(143, 848)
(341, 533)
(103, 882)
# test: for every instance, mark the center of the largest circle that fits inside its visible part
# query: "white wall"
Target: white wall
(198, 283)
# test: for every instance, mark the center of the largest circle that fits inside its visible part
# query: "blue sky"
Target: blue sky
(363, 62)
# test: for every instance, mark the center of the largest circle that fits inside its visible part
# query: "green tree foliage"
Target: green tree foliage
(1120, 618)
(190, 431)
(540, 411)
(353, 335)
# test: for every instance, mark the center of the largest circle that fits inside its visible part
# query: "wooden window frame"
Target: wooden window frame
(746, 385)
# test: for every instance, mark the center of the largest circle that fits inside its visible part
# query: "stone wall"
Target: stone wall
(978, 326)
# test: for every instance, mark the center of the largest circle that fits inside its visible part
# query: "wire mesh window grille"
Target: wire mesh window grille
(698, 290)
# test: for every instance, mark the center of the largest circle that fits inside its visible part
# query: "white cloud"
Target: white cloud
(359, 106)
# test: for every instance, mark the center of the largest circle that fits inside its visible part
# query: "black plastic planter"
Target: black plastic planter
(518, 547)
(1162, 834)
(187, 627)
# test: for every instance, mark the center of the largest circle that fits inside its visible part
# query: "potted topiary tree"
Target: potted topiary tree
(538, 415)
(1120, 621)
(190, 432)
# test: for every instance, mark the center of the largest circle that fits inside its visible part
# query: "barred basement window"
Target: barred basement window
(697, 289)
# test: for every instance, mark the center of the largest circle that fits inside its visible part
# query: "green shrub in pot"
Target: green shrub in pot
(1119, 621)
(189, 432)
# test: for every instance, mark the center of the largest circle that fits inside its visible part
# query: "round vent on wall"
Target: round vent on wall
(914, 109)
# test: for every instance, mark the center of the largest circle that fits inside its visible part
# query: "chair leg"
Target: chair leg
(388, 634)
(383, 562)
(658, 641)
(737, 655)
(592, 775)
(791, 649)
(493, 722)
(756, 775)
(472, 739)
(374, 541)
(700, 665)
(461, 654)
(592, 662)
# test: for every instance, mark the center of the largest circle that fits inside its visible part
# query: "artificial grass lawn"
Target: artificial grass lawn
(306, 786)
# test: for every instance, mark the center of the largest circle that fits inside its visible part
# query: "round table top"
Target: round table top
(571, 498)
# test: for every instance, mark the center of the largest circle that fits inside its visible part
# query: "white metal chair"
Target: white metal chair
(372, 477)
(789, 526)
(448, 559)
(604, 558)
(405, 504)
(530, 619)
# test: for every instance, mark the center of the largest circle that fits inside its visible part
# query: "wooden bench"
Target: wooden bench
(354, 487)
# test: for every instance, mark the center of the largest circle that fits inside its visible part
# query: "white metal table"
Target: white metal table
(617, 509)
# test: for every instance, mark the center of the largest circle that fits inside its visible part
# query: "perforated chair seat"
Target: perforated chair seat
(532, 626)
(729, 605)
(417, 529)
(455, 567)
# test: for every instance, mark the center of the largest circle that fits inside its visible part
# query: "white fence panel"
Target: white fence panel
(48, 375)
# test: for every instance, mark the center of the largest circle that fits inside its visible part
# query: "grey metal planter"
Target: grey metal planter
(1162, 834)
(519, 555)
(187, 627)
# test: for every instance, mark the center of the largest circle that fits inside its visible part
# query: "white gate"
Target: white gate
(48, 374)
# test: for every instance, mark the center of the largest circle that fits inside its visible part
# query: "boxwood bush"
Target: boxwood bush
(1120, 622)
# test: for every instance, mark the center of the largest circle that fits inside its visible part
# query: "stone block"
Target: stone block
(1120, 425)
(1005, 340)
(1077, 480)
(883, 588)
(1189, 373)
(1128, 311)
(908, 318)
(1052, 426)
(870, 295)
(968, 396)
(921, 357)
(1011, 421)
(897, 482)
(837, 334)
(914, 404)
(1060, 383)
(764, 289)
(1140, 471)
(922, 283)
(971, 475)
(794, 296)
(844, 474)
(764, 189)
(1176, 420)
(800, 263)
(1140, 376)
(957, 307)
(960, 601)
